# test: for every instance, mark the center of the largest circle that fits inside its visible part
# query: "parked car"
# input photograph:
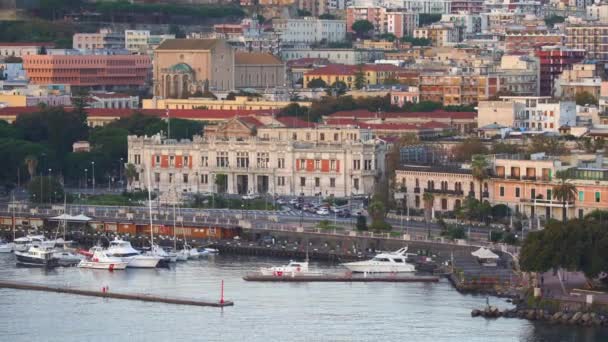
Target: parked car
(323, 211)
(294, 201)
(250, 196)
(280, 201)
(343, 213)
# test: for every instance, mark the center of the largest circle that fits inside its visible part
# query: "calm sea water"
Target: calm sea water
(262, 311)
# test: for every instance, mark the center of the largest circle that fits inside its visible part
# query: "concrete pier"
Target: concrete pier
(107, 294)
(344, 278)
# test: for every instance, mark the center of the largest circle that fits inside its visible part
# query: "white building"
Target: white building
(428, 6)
(310, 30)
(598, 12)
(113, 100)
(337, 56)
(527, 113)
(284, 161)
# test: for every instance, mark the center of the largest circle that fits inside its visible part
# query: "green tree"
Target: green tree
(467, 148)
(554, 19)
(362, 28)
(507, 148)
(45, 189)
(416, 41)
(479, 167)
(584, 98)
(387, 36)
(130, 173)
(360, 81)
(316, 83)
(564, 192)
(377, 212)
(337, 88)
(428, 18)
(327, 16)
(549, 145)
(361, 223)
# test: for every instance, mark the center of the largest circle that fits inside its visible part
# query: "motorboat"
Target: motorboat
(67, 258)
(5, 247)
(390, 262)
(37, 256)
(193, 253)
(122, 249)
(294, 268)
(203, 252)
(22, 244)
(99, 259)
(166, 257)
(182, 255)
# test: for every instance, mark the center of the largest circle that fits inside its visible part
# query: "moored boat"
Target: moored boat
(294, 268)
(122, 249)
(5, 247)
(102, 261)
(37, 256)
(391, 262)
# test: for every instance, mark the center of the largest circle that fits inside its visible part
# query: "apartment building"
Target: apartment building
(104, 39)
(529, 113)
(310, 30)
(456, 88)
(590, 37)
(553, 61)
(90, 70)
(525, 185)
(440, 35)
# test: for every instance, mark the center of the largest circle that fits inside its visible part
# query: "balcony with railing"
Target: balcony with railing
(547, 202)
(445, 192)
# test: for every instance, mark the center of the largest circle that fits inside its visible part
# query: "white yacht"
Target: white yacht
(167, 257)
(391, 262)
(193, 253)
(100, 260)
(293, 268)
(182, 255)
(123, 249)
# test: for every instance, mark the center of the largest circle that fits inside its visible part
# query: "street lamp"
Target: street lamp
(120, 171)
(93, 180)
(86, 179)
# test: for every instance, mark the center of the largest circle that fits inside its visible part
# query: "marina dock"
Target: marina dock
(344, 278)
(108, 294)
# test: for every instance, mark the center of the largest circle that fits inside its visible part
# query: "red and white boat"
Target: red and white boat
(99, 259)
(294, 268)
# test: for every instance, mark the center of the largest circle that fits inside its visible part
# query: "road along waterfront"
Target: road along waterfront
(263, 311)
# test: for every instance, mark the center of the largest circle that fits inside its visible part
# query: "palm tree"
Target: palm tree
(479, 166)
(130, 173)
(428, 198)
(564, 192)
(32, 162)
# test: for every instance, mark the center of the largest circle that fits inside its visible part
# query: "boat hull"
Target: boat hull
(6, 248)
(182, 256)
(142, 261)
(111, 265)
(371, 268)
(26, 260)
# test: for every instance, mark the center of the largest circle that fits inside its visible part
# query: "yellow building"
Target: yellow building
(373, 74)
(13, 100)
(241, 102)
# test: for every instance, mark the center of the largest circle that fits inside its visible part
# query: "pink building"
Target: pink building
(88, 70)
(406, 95)
(401, 24)
(375, 15)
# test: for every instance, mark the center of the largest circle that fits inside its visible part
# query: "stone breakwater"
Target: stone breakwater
(588, 319)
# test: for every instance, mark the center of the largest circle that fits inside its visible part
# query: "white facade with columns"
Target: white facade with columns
(283, 161)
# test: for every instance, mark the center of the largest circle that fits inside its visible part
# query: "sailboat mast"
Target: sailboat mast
(174, 238)
(150, 211)
(13, 221)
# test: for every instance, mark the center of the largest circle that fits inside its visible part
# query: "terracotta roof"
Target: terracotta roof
(256, 58)
(26, 44)
(251, 121)
(200, 114)
(334, 69)
(187, 44)
(438, 114)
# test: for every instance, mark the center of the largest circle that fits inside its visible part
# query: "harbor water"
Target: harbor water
(262, 312)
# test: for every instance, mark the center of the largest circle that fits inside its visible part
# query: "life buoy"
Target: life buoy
(298, 269)
(111, 268)
(279, 273)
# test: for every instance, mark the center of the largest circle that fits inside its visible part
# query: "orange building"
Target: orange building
(88, 70)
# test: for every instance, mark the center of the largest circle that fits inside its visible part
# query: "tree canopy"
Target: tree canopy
(362, 27)
(584, 98)
(580, 245)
